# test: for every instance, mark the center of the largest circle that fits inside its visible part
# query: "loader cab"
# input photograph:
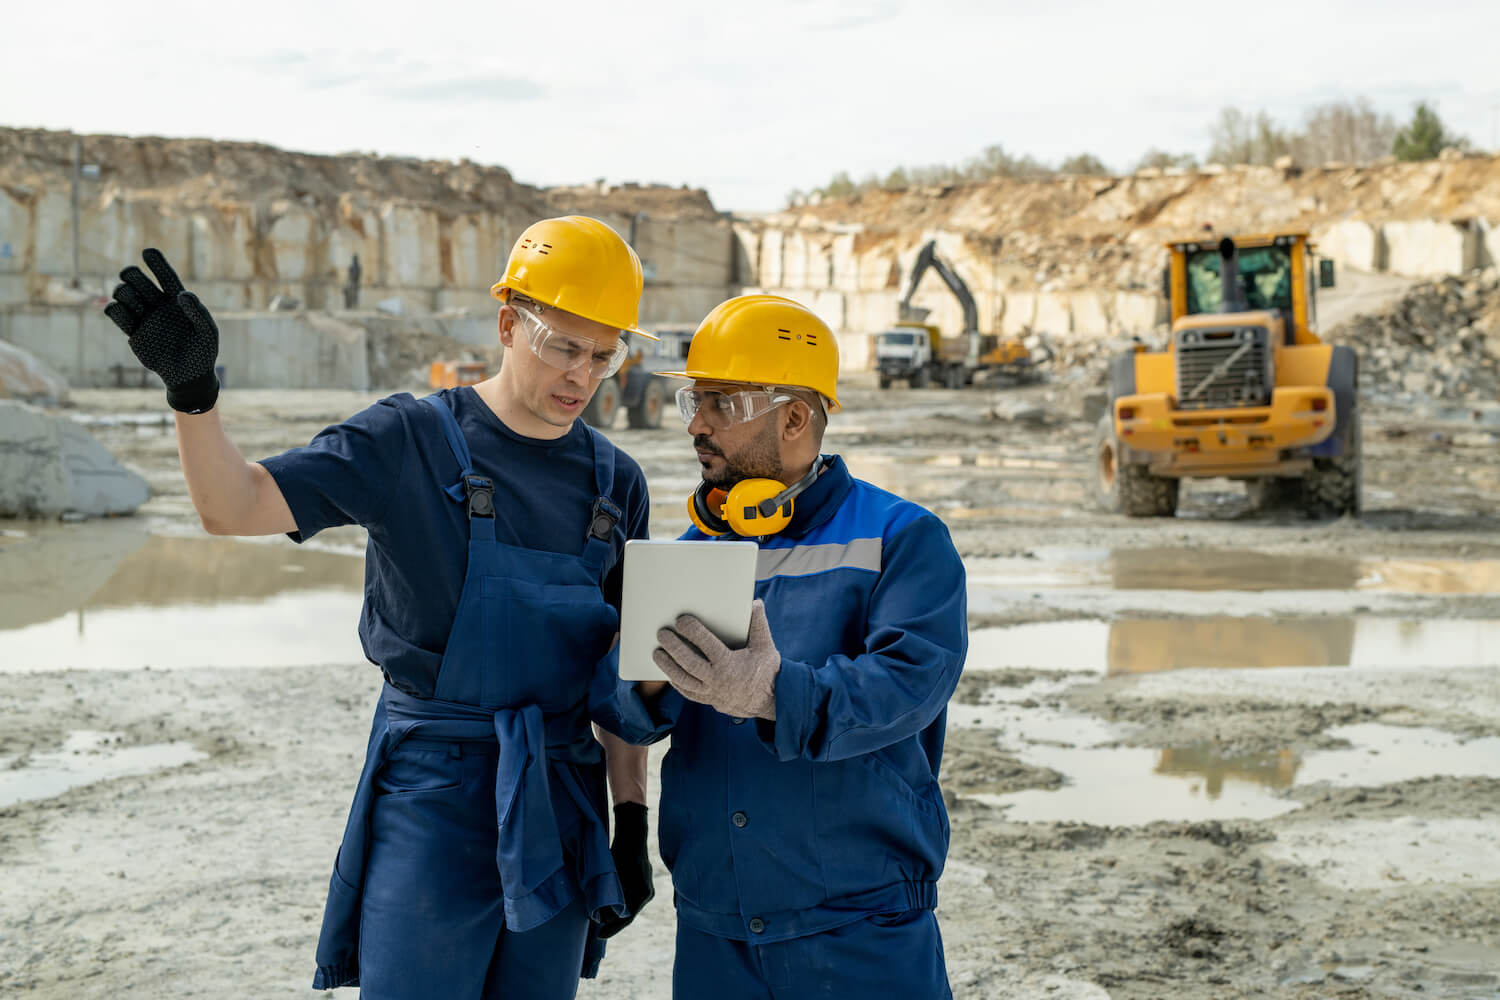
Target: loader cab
(1242, 274)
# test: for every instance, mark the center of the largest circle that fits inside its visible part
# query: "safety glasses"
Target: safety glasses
(567, 352)
(721, 409)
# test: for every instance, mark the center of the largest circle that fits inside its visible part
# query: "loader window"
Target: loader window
(1265, 276)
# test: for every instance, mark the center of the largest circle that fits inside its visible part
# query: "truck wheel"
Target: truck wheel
(919, 378)
(646, 413)
(606, 403)
(953, 377)
(885, 381)
(1334, 485)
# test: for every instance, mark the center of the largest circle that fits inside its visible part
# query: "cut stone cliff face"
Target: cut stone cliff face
(1082, 256)
(245, 223)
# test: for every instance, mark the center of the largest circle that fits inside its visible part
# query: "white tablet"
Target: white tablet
(713, 580)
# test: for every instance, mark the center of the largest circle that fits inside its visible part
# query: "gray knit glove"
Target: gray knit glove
(738, 682)
(170, 332)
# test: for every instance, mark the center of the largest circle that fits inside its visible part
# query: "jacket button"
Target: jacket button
(757, 925)
(740, 819)
(737, 721)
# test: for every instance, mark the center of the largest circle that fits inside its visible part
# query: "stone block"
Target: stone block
(1138, 313)
(15, 234)
(221, 241)
(1019, 314)
(1054, 314)
(1353, 244)
(1090, 315)
(411, 247)
(50, 466)
(292, 238)
(25, 377)
(772, 259)
(1430, 248)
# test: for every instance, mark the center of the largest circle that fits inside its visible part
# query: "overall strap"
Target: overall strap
(605, 519)
(474, 489)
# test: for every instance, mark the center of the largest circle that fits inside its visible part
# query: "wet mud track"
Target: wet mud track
(1229, 754)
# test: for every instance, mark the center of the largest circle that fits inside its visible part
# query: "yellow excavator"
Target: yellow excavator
(1245, 390)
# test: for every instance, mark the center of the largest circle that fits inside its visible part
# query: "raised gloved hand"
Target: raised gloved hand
(739, 682)
(631, 862)
(170, 332)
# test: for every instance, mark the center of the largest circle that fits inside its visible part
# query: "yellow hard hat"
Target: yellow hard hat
(765, 340)
(578, 265)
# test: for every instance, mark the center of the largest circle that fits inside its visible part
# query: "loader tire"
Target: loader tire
(1334, 486)
(1124, 487)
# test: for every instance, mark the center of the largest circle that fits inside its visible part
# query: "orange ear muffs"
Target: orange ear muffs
(706, 510)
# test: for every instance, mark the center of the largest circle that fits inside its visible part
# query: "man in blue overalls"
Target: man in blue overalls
(800, 809)
(476, 860)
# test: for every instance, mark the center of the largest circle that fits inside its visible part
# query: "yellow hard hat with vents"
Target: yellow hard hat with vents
(578, 265)
(765, 340)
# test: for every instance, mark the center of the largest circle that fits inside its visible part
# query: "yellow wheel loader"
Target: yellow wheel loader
(1245, 389)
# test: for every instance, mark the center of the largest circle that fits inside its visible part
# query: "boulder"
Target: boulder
(23, 376)
(50, 467)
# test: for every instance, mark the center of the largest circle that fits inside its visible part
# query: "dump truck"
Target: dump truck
(916, 352)
(1245, 389)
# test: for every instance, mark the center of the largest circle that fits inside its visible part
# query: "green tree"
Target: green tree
(1425, 137)
(897, 178)
(840, 187)
(1162, 160)
(1083, 163)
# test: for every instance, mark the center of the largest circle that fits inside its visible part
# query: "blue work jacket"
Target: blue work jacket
(774, 830)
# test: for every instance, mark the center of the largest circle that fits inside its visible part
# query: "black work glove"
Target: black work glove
(633, 864)
(170, 332)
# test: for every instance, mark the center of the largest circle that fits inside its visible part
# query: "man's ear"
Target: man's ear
(506, 323)
(798, 421)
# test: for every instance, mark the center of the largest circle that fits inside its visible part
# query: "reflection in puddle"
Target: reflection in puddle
(1170, 569)
(1124, 786)
(114, 598)
(87, 757)
(1134, 646)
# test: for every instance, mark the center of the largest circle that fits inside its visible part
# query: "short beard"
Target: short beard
(759, 459)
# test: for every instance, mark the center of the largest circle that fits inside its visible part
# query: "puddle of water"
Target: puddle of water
(106, 597)
(1135, 646)
(1128, 786)
(87, 757)
(1170, 569)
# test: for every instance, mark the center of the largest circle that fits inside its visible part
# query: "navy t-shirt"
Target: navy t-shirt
(386, 467)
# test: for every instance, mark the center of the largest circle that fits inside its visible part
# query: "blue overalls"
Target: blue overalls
(476, 856)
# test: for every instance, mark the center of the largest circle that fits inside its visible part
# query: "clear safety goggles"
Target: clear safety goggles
(722, 409)
(566, 352)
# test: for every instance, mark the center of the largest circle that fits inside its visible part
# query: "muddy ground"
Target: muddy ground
(1284, 822)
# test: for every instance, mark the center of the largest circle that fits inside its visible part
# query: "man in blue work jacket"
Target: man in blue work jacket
(476, 861)
(800, 810)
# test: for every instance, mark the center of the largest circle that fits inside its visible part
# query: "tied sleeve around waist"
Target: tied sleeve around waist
(536, 773)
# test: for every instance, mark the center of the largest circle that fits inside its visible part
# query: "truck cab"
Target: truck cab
(905, 351)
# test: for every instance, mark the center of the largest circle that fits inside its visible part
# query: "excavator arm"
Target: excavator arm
(928, 257)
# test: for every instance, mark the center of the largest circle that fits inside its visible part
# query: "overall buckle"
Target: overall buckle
(603, 520)
(481, 494)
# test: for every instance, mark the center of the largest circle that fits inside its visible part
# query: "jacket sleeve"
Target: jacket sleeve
(617, 706)
(916, 638)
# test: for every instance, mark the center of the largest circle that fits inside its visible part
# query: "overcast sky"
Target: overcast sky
(748, 100)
